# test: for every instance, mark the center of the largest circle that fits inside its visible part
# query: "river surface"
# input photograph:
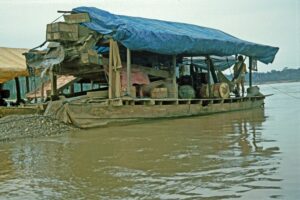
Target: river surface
(244, 155)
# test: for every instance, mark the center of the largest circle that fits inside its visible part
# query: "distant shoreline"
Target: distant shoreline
(273, 82)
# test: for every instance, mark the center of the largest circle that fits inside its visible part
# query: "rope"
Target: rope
(46, 40)
(283, 92)
(56, 19)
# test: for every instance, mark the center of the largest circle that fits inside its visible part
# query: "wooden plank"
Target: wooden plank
(62, 31)
(77, 18)
(62, 27)
(99, 94)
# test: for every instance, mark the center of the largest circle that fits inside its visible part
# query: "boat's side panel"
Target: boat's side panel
(93, 114)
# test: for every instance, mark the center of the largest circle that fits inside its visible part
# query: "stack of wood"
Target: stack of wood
(164, 87)
(159, 93)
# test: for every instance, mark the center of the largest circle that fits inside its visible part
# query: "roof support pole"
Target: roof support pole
(128, 72)
(174, 77)
(18, 90)
(110, 71)
(212, 70)
(53, 85)
(42, 92)
(71, 89)
(27, 84)
(250, 71)
(208, 75)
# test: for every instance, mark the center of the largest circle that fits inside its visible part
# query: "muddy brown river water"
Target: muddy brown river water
(242, 155)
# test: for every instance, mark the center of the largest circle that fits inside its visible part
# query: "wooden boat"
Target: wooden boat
(137, 63)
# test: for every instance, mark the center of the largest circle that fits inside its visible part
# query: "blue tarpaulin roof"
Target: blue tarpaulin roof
(172, 38)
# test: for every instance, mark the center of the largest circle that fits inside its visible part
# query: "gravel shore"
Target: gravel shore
(30, 126)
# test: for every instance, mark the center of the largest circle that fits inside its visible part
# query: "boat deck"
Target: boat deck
(148, 101)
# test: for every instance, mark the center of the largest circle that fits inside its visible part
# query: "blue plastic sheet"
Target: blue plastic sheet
(172, 38)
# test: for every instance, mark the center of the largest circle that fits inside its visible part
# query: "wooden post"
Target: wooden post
(81, 86)
(92, 84)
(27, 84)
(53, 85)
(110, 71)
(42, 92)
(18, 90)
(128, 72)
(174, 77)
(250, 71)
(72, 89)
(212, 70)
(208, 77)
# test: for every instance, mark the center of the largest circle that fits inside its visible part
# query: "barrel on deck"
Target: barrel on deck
(204, 92)
(186, 92)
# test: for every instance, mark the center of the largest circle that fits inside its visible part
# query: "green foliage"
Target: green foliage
(277, 76)
(286, 75)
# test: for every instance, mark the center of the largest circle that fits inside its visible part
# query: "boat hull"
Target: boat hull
(90, 114)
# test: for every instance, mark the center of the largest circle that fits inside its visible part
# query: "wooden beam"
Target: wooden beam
(128, 72)
(117, 65)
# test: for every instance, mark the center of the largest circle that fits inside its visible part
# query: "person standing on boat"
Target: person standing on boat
(240, 71)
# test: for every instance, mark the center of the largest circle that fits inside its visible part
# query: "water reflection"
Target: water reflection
(214, 157)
